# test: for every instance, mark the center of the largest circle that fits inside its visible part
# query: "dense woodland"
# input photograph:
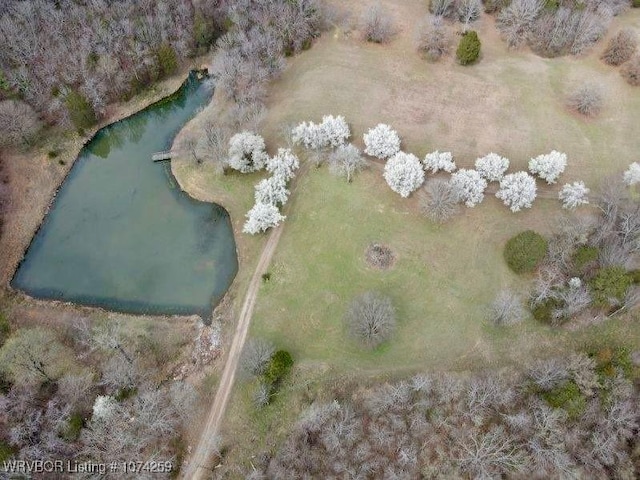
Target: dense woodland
(63, 62)
(574, 417)
(59, 56)
(98, 392)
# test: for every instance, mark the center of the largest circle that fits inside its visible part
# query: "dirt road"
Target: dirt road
(199, 464)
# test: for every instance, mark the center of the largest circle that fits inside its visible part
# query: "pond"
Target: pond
(120, 233)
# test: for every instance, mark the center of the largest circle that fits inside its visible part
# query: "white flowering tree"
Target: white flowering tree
(332, 132)
(104, 407)
(247, 152)
(381, 141)
(492, 167)
(548, 166)
(346, 161)
(632, 174)
(404, 173)
(308, 134)
(436, 161)
(573, 195)
(517, 190)
(335, 130)
(469, 185)
(262, 217)
(272, 190)
(284, 164)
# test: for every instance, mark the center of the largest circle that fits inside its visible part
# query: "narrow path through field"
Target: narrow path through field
(199, 465)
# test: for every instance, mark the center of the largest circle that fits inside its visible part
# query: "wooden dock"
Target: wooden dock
(161, 156)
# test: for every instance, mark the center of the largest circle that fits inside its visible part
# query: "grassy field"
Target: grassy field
(512, 103)
(442, 283)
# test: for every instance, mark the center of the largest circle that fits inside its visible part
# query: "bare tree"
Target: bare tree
(432, 37)
(469, 11)
(34, 355)
(516, 20)
(18, 123)
(442, 8)
(75, 389)
(440, 201)
(215, 144)
(256, 355)
(190, 146)
(119, 373)
(574, 299)
(261, 395)
(620, 48)
(586, 100)
(546, 374)
(489, 454)
(371, 318)
(507, 309)
(346, 161)
(377, 24)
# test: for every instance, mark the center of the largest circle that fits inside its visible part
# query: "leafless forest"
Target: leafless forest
(572, 417)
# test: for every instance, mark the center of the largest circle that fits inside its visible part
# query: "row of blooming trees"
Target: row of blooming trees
(247, 153)
(403, 172)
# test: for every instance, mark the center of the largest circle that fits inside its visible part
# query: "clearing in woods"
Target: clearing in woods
(511, 103)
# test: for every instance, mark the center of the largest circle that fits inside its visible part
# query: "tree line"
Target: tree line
(67, 60)
(571, 417)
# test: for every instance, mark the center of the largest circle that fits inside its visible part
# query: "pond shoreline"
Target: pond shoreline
(18, 238)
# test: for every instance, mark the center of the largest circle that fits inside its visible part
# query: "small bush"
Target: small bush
(5, 383)
(125, 393)
(568, 397)
(524, 252)
(52, 154)
(469, 48)
(635, 276)
(586, 100)
(630, 71)
(544, 311)
(612, 360)
(74, 427)
(585, 255)
(6, 451)
(636, 3)
(5, 329)
(278, 367)
(621, 48)
(266, 277)
(494, 6)
(380, 256)
(610, 285)
(167, 60)
(80, 110)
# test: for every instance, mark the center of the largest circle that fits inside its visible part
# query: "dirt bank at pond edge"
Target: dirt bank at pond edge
(35, 179)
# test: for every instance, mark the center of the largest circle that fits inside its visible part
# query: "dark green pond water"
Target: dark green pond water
(121, 234)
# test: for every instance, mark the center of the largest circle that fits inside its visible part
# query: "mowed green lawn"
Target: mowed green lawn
(441, 285)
